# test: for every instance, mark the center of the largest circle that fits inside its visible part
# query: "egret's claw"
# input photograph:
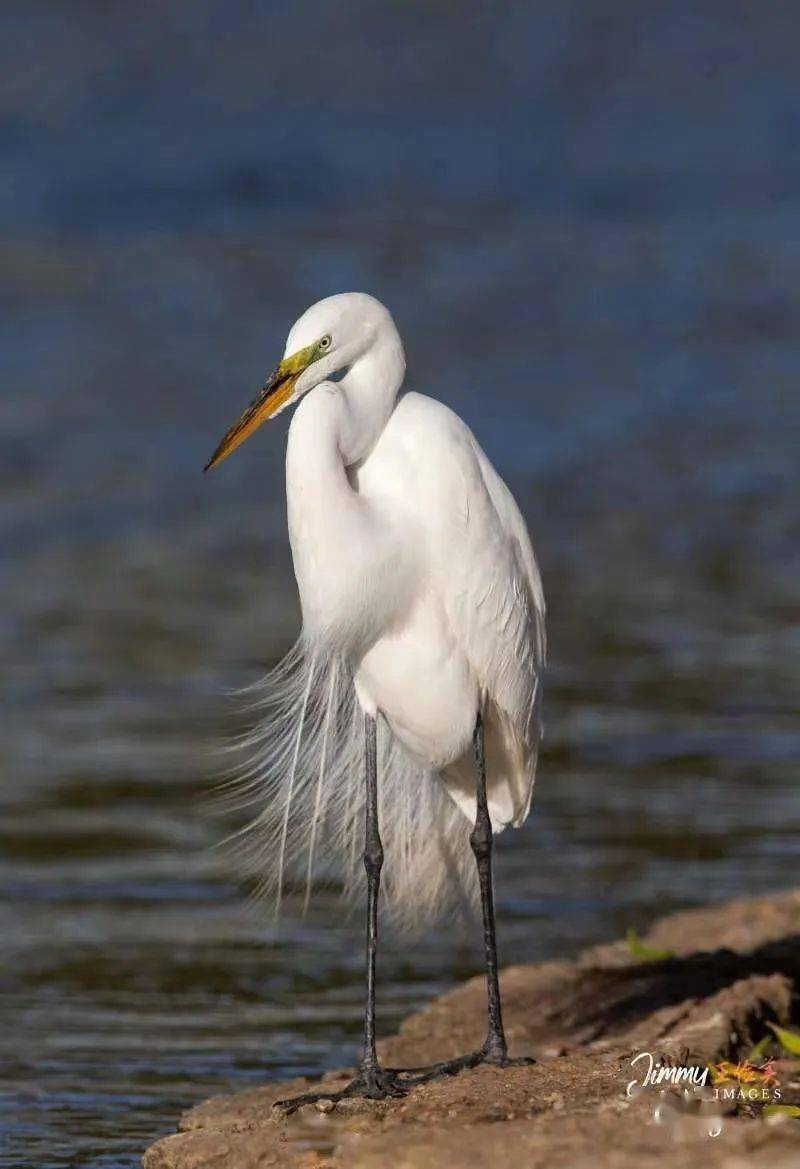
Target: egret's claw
(373, 1083)
(452, 1067)
(377, 1083)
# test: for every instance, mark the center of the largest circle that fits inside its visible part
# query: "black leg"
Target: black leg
(495, 1048)
(372, 1080)
(373, 863)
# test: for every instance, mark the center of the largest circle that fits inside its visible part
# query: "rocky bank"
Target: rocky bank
(731, 970)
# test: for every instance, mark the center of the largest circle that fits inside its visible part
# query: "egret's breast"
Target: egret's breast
(420, 681)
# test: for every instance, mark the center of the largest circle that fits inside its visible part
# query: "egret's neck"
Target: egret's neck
(332, 532)
(369, 389)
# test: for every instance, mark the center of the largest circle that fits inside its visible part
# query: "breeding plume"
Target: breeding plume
(403, 728)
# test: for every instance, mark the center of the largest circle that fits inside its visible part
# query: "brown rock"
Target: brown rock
(735, 967)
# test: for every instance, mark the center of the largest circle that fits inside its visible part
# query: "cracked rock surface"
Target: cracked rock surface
(735, 967)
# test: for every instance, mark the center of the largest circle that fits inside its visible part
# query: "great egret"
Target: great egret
(423, 614)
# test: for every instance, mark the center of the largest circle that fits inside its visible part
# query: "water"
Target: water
(586, 222)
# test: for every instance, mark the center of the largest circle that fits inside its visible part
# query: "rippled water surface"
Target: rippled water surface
(585, 219)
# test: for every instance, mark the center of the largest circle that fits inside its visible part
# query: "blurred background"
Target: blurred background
(585, 217)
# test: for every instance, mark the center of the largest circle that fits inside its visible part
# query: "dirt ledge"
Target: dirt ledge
(734, 968)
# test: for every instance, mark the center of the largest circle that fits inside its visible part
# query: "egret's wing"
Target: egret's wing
(492, 594)
(503, 609)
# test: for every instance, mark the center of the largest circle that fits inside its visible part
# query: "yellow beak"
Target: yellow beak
(271, 397)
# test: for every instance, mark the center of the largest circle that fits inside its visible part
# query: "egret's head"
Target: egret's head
(329, 337)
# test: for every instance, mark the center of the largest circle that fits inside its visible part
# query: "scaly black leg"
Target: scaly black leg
(372, 1081)
(373, 863)
(494, 1049)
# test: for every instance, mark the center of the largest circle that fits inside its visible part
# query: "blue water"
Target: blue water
(586, 220)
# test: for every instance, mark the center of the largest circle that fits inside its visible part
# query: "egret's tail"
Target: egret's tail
(303, 777)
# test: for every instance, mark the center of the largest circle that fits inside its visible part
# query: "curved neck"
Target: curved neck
(369, 389)
(330, 529)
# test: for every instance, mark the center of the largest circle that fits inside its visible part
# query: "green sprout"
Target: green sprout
(789, 1040)
(642, 951)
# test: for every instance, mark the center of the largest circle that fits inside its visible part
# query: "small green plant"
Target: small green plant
(757, 1053)
(789, 1040)
(781, 1110)
(642, 951)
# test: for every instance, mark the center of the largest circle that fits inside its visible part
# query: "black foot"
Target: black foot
(371, 1083)
(490, 1054)
(377, 1083)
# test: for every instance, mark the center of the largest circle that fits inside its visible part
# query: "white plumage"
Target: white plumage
(422, 605)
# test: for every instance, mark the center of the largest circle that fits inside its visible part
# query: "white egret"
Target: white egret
(422, 643)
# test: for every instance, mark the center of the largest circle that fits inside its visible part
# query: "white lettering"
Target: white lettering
(662, 1073)
(632, 1086)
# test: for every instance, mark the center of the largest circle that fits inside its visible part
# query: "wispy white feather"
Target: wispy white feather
(302, 779)
(321, 783)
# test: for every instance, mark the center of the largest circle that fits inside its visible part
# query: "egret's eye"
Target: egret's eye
(325, 343)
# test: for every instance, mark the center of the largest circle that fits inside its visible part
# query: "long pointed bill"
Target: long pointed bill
(271, 398)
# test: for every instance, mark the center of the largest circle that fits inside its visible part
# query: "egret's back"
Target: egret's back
(483, 605)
